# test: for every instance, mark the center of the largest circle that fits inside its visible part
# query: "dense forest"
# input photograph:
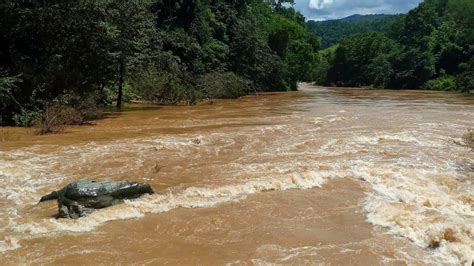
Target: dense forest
(432, 47)
(334, 31)
(64, 58)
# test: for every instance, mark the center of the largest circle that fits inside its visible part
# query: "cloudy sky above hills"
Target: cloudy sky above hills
(334, 9)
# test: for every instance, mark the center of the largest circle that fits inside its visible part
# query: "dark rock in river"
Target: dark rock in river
(81, 198)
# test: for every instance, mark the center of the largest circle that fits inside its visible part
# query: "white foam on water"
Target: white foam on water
(27, 174)
(406, 137)
(328, 119)
(8, 244)
(428, 205)
(192, 197)
(412, 197)
(420, 194)
(281, 254)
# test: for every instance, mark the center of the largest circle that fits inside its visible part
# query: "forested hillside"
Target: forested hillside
(333, 31)
(77, 54)
(432, 47)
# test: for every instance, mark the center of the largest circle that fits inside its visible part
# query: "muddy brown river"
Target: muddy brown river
(331, 176)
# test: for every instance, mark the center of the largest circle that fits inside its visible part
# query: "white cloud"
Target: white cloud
(320, 4)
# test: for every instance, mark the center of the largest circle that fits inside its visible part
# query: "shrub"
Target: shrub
(164, 88)
(87, 107)
(56, 116)
(224, 85)
(7, 85)
(66, 109)
(465, 81)
(443, 83)
(26, 118)
(110, 93)
(9, 105)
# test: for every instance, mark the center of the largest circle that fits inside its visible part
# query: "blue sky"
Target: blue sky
(334, 9)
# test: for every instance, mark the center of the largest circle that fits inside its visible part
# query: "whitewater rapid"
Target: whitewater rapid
(409, 154)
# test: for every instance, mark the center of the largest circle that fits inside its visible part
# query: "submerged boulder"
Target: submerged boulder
(81, 198)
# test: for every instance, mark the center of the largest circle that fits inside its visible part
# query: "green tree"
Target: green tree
(357, 57)
(418, 26)
(8, 85)
(57, 47)
(413, 67)
(131, 24)
(380, 71)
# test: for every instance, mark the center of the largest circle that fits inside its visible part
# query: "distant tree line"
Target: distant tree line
(86, 52)
(432, 47)
(334, 31)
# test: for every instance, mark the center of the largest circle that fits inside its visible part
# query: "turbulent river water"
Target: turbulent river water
(333, 176)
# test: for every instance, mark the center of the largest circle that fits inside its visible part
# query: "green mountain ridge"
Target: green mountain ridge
(333, 31)
(358, 17)
(431, 47)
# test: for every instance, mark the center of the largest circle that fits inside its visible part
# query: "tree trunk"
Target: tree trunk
(121, 79)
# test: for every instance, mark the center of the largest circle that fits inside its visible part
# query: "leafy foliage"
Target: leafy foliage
(334, 31)
(157, 50)
(430, 47)
(26, 118)
(164, 88)
(224, 85)
(443, 83)
(8, 85)
(356, 59)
